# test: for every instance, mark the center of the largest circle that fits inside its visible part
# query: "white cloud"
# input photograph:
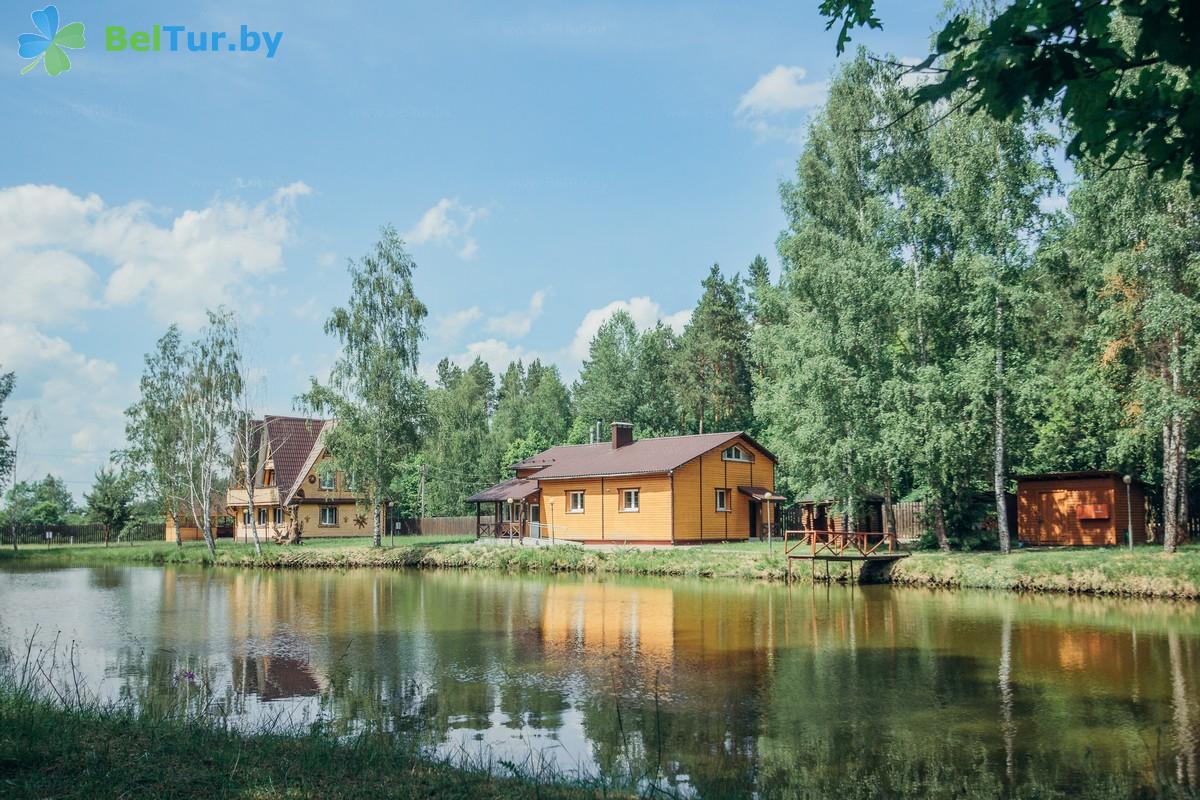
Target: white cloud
(448, 222)
(200, 259)
(78, 400)
(327, 259)
(781, 90)
(495, 353)
(774, 106)
(646, 314)
(48, 286)
(452, 325)
(516, 324)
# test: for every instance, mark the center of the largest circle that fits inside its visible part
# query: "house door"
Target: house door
(535, 520)
(753, 518)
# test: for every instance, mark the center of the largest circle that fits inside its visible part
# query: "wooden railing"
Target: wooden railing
(854, 544)
(499, 530)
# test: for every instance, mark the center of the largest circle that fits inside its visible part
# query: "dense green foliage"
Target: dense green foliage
(39, 502)
(110, 503)
(1120, 73)
(373, 391)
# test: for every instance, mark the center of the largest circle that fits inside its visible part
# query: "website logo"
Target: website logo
(46, 48)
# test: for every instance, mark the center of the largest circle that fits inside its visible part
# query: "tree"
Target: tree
(212, 381)
(605, 391)
(549, 413)
(373, 391)
(711, 377)
(110, 503)
(1119, 73)
(1143, 237)
(8, 382)
(458, 449)
(656, 411)
(42, 503)
(153, 458)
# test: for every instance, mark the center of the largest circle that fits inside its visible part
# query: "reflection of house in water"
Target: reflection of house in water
(274, 677)
(605, 618)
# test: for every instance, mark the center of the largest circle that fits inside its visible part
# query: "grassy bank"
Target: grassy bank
(742, 560)
(93, 751)
(1146, 572)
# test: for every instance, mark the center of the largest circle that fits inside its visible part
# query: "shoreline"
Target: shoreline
(1146, 573)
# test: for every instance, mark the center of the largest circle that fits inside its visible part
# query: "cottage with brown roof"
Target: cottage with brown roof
(671, 490)
(291, 487)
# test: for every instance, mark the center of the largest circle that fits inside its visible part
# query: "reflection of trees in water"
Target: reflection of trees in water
(720, 687)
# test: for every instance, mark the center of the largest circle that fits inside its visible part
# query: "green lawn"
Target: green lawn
(1146, 572)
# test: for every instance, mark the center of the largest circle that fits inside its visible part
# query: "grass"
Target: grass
(1146, 572)
(58, 741)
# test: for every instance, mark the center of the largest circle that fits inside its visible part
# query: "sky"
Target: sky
(547, 164)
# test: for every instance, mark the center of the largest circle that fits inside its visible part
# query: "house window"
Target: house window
(278, 516)
(262, 516)
(629, 499)
(329, 480)
(246, 517)
(268, 477)
(329, 515)
(723, 500)
(735, 453)
(575, 502)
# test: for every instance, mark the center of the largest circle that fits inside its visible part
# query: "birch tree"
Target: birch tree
(208, 414)
(373, 391)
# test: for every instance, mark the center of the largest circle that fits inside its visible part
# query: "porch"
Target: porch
(514, 510)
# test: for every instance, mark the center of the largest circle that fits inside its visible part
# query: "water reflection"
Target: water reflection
(714, 688)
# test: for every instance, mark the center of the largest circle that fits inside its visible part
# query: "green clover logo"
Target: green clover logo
(47, 47)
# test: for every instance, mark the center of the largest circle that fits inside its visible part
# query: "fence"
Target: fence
(435, 526)
(80, 534)
(909, 525)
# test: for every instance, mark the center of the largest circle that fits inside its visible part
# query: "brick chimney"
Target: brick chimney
(622, 434)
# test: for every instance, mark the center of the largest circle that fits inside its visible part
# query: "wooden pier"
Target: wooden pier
(852, 547)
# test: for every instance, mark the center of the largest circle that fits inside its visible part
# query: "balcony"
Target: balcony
(263, 496)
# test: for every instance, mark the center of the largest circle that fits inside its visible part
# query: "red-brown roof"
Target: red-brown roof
(513, 489)
(641, 457)
(291, 440)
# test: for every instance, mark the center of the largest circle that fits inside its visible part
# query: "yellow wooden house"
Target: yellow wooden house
(291, 487)
(708, 487)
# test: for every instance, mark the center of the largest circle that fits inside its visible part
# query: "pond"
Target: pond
(705, 688)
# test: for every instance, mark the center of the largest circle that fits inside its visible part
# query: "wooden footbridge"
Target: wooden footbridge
(852, 547)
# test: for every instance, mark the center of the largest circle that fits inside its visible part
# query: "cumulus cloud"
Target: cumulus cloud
(197, 260)
(452, 325)
(448, 222)
(646, 314)
(79, 402)
(516, 324)
(773, 106)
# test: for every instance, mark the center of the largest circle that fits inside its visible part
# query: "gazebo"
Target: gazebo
(510, 508)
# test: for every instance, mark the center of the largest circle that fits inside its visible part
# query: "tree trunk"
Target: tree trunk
(1170, 470)
(208, 535)
(377, 508)
(253, 518)
(1183, 485)
(998, 481)
(175, 525)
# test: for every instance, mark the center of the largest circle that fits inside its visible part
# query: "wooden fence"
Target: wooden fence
(909, 525)
(435, 526)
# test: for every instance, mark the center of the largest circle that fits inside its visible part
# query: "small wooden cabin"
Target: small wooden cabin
(1079, 508)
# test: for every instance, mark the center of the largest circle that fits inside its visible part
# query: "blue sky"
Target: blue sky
(548, 163)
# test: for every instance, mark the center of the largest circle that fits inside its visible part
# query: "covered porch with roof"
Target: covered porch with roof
(514, 510)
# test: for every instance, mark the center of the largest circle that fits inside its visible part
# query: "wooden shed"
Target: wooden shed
(816, 514)
(1079, 508)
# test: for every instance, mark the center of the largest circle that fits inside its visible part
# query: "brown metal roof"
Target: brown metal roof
(642, 456)
(1075, 475)
(513, 489)
(291, 440)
